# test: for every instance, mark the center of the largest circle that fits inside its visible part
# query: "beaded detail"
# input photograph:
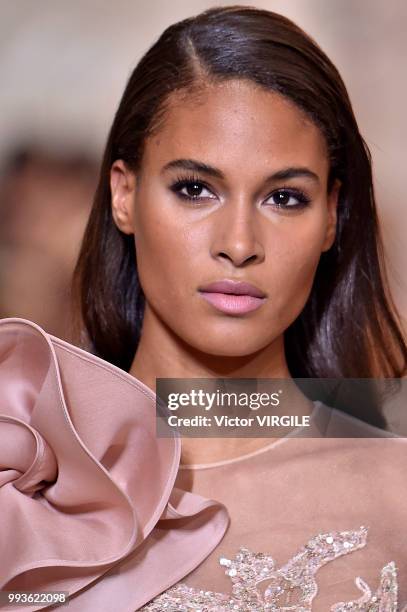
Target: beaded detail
(292, 587)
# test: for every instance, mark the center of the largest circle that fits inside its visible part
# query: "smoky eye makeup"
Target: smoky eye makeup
(191, 188)
(289, 198)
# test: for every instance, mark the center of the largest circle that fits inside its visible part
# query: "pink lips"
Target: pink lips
(233, 297)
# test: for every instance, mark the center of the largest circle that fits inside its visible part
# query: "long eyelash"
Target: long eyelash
(190, 178)
(186, 178)
(183, 180)
(297, 193)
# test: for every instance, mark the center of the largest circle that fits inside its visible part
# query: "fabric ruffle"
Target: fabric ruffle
(87, 497)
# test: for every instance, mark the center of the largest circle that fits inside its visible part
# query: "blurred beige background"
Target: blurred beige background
(63, 67)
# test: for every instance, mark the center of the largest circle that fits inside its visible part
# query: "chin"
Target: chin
(223, 346)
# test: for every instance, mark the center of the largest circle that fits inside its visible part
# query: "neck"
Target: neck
(161, 354)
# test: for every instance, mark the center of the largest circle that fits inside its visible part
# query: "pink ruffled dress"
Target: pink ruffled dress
(87, 497)
(93, 503)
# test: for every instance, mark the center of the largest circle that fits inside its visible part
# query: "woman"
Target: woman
(234, 234)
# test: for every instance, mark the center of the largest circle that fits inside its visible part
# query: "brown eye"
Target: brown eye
(192, 190)
(281, 198)
(289, 198)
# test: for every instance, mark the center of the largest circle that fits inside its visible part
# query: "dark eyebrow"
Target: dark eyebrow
(280, 175)
(289, 173)
(192, 164)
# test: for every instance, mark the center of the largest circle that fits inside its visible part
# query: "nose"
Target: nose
(237, 235)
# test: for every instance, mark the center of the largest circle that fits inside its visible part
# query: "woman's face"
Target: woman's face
(233, 186)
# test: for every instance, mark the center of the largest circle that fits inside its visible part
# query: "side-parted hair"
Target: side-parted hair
(349, 326)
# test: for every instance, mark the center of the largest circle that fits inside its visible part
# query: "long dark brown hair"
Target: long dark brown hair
(349, 326)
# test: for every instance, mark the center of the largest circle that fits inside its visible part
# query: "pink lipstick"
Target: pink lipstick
(233, 297)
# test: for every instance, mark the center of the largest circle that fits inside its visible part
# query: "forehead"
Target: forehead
(236, 124)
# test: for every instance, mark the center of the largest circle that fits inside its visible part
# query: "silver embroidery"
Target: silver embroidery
(289, 588)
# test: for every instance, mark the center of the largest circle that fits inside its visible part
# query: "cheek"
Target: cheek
(293, 260)
(162, 250)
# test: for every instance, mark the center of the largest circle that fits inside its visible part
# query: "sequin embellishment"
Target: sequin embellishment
(292, 587)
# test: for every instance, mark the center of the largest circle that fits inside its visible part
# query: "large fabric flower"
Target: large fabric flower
(87, 497)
